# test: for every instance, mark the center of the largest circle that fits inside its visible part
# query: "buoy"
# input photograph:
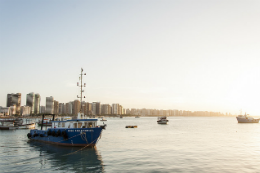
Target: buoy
(130, 126)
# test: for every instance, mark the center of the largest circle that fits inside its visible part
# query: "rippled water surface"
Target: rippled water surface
(186, 144)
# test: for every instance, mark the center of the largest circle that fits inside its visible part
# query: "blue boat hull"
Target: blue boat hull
(86, 137)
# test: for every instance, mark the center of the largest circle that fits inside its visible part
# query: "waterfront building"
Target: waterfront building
(49, 105)
(120, 109)
(25, 110)
(143, 112)
(94, 108)
(128, 111)
(87, 108)
(13, 110)
(68, 107)
(106, 109)
(115, 108)
(37, 102)
(14, 99)
(42, 109)
(56, 107)
(133, 111)
(175, 112)
(5, 111)
(76, 107)
(61, 108)
(30, 101)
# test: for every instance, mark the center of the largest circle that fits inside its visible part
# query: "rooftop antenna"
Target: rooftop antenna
(81, 90)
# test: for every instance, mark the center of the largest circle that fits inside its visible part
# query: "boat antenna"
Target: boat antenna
(81, 91)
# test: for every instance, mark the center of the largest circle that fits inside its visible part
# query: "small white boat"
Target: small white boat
(27, 126)
(7, 125)
(103, 119)
(162, 120)
(246, 119)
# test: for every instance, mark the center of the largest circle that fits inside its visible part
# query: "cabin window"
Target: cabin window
(89, 125)
(79, 125)
(75, 125)
(63, 124)
(85, 125)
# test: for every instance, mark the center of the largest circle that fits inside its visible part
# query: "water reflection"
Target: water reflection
(74, 159)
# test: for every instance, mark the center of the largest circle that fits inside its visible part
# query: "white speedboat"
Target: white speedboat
(246, 119)
(162, 120)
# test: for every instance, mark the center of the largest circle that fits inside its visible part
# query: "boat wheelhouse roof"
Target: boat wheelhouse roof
(76, 120)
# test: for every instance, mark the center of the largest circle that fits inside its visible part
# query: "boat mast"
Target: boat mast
(81, 91)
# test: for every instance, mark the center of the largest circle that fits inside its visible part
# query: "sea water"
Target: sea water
(185, 144)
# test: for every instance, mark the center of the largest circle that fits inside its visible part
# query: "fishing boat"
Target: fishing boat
(162, 120)
(247, 119)
(81, 131)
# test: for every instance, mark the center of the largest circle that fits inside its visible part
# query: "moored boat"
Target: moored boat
(80, 131)
(247, 119)
(103, 119)
(162, 120)
(7, 125)
(75, 132)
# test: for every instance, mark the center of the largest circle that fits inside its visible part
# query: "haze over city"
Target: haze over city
(186, 55)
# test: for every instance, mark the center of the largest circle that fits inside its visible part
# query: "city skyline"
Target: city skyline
(180, 55)
(53, 106)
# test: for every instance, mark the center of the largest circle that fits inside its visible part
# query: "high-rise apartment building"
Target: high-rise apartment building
(76, 106)
(96, 108)
(37, 102)
(105, 109)
(68, 107)
(56, 107)
(25, 110)
(30, 101)
(87, 108)
(115, 108)
(42, 109)
(49, 105)
(61, 108)
(14, 99)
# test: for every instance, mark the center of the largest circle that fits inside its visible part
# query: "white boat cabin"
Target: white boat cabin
(80, 122)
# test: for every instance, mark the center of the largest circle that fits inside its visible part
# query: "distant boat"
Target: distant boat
(7, 125)
(246, 119)
(162, 120)
(27, 125)
(137, 116)
(103, 119)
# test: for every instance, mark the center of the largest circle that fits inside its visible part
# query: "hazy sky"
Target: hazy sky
(189, 55)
